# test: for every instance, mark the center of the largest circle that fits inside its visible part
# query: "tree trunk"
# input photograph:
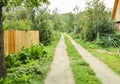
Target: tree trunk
(33, 19)
(2, 60)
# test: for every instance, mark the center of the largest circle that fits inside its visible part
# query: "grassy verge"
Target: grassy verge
(83, 74)
(39, 79)
(110, 58)
(30, 65)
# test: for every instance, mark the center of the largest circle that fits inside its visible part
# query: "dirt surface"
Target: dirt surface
(60, 72)
(102, 71)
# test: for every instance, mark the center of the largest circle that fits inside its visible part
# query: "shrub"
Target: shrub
(23, 66)
(26, 55)
(95, 21)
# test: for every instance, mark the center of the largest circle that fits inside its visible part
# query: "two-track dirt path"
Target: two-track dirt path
(102, 71)
(60, 72)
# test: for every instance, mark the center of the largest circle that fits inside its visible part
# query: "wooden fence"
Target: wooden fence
(15, 40)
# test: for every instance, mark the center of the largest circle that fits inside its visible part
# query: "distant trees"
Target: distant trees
(17, 20)
(44, 25)
(47, 23)
(92, 24)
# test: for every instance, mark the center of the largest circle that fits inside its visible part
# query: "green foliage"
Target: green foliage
(19, 13)
(11, 4)
(109, 40)
(58, 20)
(26, 55)
(29, 3)
(34, 52)
(30, 65)
(24, 73)
(96, 21)
(26, 19)
(18, 20)
(11, 61)
(83, 74)
(45, 25)
(25, 64)
(69, 22)
(45, 37)
(18, 25)
(94, 25)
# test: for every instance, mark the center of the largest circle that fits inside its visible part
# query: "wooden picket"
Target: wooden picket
(15, 40)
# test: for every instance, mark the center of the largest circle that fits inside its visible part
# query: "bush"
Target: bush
(109, 40)
(45, 36)
(23, 66)
(18, 25)
(35, 52)
(95, 21)
(24, 73)
(17, 20)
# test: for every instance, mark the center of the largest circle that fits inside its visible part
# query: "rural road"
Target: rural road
(102, 71)
(60, 72)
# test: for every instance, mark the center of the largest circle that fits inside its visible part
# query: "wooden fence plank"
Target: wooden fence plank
(15, 40)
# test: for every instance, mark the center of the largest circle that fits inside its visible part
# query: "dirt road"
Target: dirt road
(102, 71)
(60, 72)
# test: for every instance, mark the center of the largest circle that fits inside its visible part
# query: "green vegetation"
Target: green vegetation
(109, 57)
(47, 24)
(23, 66)
(83, 74)
(39, 79)
(17, 20)
(93, 25)
(95, 32)
(30, 65)
(92, 28)
(24, 19)
(95, 22)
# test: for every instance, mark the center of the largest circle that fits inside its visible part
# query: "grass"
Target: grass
(39, 79)
(37, 67)
(110, 58)
(83, 74)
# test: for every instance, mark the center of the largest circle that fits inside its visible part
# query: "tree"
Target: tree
(17, 20)
(71, 22)
(45, 25)
(12, 3)
(96, 20)
(56, 19)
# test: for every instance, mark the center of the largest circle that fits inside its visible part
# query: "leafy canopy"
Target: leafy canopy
(28, 3)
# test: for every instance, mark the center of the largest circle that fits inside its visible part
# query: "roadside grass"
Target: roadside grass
(25, 68)
(109, 57)
(83, 74)
(39, 79)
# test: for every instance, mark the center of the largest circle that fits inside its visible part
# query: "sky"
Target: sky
(65, 6)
